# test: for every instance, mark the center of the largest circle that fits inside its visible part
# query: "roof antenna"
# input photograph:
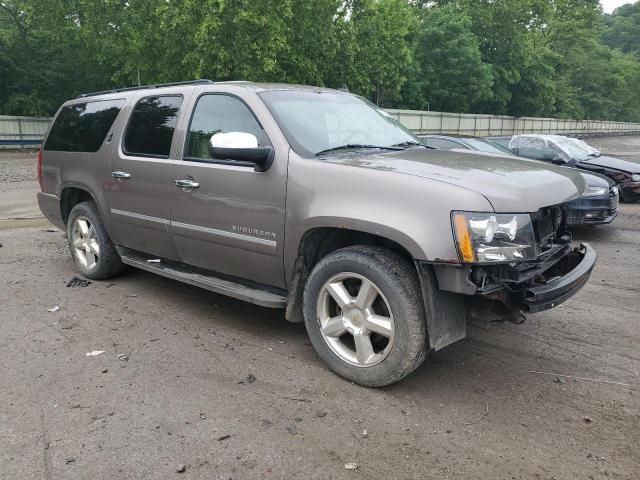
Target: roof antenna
(344, 88)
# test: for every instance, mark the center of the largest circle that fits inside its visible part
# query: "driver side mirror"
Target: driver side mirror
(242, 147)
(558, 160)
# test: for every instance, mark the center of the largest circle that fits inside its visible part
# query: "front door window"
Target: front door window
(219, 114)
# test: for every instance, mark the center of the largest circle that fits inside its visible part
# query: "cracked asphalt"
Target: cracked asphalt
(231, 390)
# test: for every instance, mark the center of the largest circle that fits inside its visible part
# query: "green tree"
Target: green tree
(535, 94)
(375, 49)
(521, 57)
(622, 29)
(240, 39)
(311, 47)
(46, 59)
(591, 78)
(502, 27)
(451, 74)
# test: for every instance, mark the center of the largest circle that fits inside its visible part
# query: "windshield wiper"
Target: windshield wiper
(411, 143)
(356, 146)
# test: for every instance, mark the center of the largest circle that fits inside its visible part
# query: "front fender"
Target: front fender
(411, 211)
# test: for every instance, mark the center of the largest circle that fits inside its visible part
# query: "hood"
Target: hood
(605, 161)
(509, 184)
(594, 179)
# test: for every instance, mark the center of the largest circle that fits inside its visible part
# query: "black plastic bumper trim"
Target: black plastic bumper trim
(544, 297)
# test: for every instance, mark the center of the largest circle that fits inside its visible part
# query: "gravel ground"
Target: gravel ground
(184, 393)
(18, 187)
(622, 147)
(18, 171)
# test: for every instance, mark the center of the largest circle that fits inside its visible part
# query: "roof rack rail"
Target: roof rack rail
(202, 81)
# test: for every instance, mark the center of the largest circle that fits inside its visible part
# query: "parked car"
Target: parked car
(312, 200)
(594, 152)
(571, 152)
(597, 205)
(502, 140)
(465, 142)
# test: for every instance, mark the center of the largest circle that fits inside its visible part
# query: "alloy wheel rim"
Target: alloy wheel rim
(355, 320)
(84, 241)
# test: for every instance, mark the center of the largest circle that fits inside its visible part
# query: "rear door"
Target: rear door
(233, 221)
(140, 176)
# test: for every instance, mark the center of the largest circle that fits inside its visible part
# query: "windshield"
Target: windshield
(319, 122)
(483, 145)
(594, 152)
(571, 148)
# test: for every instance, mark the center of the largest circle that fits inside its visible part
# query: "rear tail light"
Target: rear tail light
(40, 169)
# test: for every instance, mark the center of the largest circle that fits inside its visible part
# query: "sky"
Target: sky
(610, 5)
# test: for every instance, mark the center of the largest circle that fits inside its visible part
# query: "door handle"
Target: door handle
(186, 183)
(120, 174)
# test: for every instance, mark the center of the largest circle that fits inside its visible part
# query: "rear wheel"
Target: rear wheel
(90, 245)
(364, 315)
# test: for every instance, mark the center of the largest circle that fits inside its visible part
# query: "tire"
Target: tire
(92, 251)
(397, 303)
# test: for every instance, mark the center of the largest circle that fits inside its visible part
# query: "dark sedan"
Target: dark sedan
(598, 204)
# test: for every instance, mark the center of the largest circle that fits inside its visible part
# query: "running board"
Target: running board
(183, 273)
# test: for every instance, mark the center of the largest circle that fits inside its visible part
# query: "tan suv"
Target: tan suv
(316, 201)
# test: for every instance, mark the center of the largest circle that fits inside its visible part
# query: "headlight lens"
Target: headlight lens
(594, 191)
(493, 237)
(635, 177)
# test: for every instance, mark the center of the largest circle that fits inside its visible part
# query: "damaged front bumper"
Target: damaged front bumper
(530, 287)
(560, 282)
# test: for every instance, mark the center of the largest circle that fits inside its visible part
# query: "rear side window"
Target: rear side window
(82, 127)
(151, 126)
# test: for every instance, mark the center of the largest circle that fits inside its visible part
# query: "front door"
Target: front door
(141, 177)
(225, 216)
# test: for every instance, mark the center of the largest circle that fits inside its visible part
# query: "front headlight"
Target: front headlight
(594, 191)
(493, 237)
(635, 177)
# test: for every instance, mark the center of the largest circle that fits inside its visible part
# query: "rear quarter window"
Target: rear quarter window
(82, 127)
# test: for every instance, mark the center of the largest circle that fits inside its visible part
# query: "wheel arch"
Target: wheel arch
(315, 228)
(329, 239)
(317, 242)
(446, 323)
(70, 196)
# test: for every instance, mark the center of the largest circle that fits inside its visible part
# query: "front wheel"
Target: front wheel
(90, 245)
(364, 315)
